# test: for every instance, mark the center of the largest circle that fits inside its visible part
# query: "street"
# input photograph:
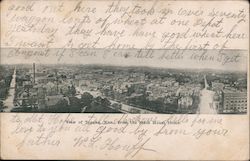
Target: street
(9, 102)
(206, 99)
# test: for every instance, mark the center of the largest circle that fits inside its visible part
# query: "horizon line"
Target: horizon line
(130, 66)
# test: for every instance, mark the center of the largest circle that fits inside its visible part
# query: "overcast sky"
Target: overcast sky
(109, 58)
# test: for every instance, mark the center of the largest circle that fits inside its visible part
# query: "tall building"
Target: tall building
(234, 102)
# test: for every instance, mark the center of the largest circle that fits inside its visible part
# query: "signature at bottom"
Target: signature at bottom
(131, 150)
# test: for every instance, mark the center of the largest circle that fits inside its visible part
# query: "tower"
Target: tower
(34, 73)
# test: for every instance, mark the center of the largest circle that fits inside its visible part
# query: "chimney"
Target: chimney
(57, 90)
(34, 73)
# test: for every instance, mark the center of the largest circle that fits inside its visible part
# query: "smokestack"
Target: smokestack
(57, 90)
(34, 73)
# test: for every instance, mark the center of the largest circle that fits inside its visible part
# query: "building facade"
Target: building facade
(234, 102)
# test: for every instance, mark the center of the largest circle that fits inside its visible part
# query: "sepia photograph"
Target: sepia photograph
(95, 88)
(124, 80)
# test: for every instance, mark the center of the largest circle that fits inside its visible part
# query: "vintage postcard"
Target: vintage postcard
(124, 80)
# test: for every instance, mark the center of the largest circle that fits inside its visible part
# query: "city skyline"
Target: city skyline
(108, 89)
(131, 66)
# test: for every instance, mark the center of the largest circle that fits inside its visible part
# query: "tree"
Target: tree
(105, 102)
(72, 90)
(61, 106)
(98, 99)
(1, 105)
(75, 104)
(86, 99)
